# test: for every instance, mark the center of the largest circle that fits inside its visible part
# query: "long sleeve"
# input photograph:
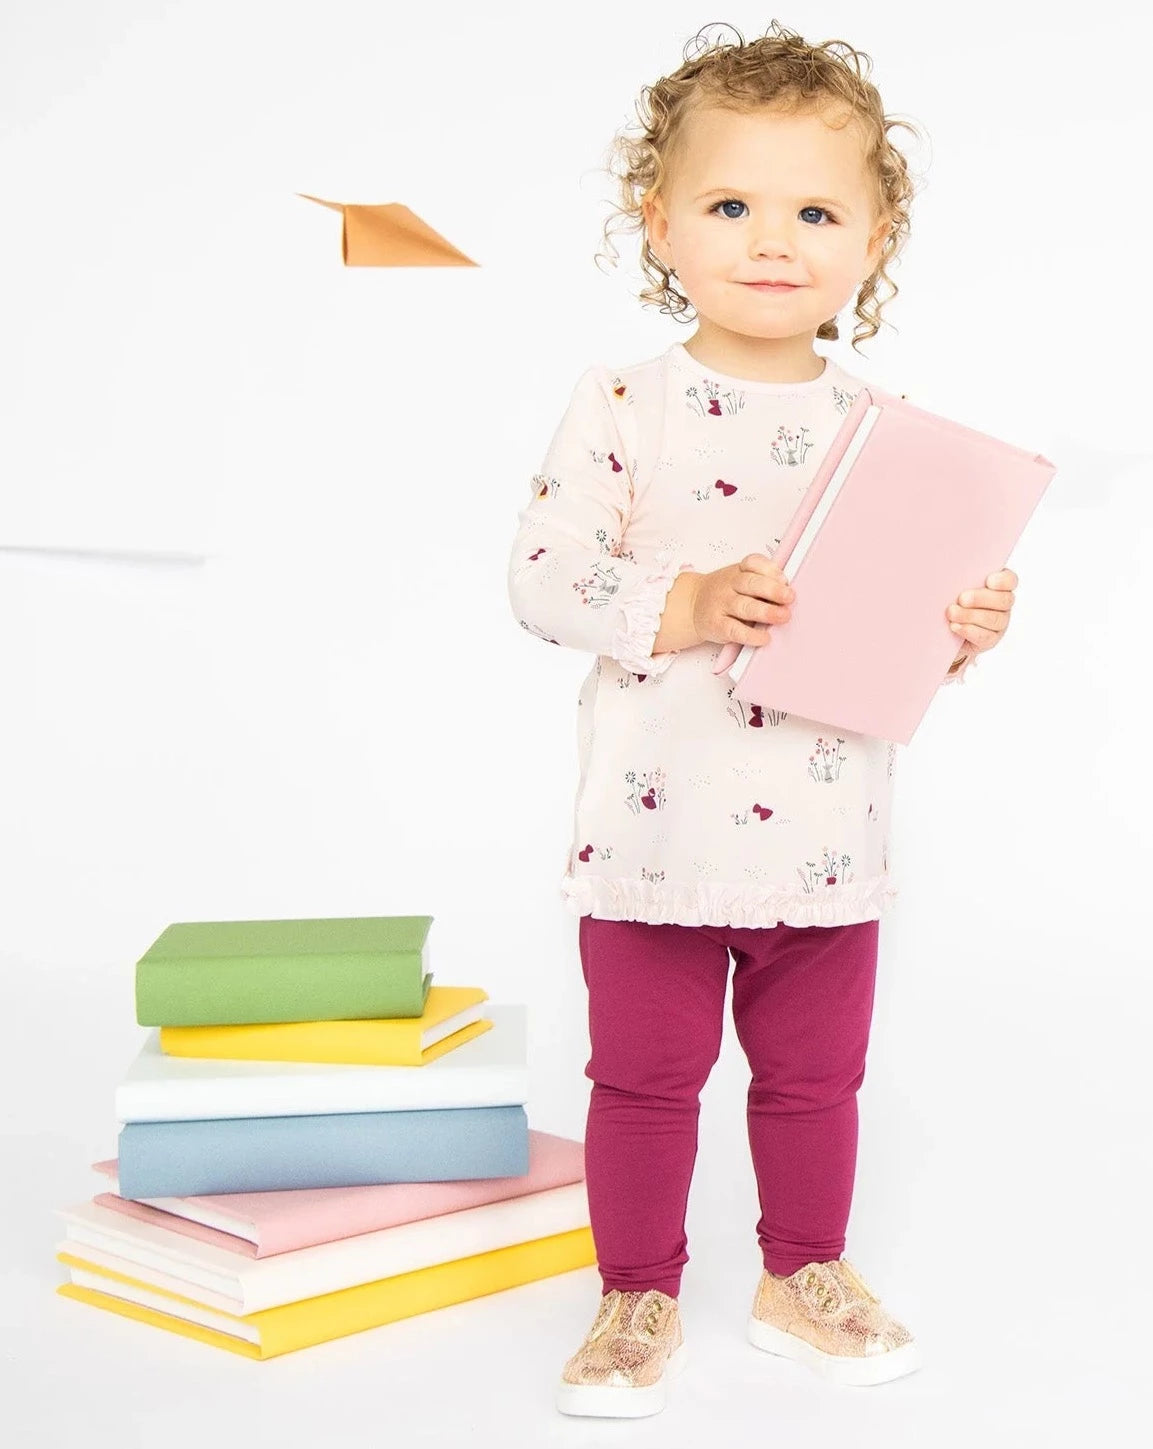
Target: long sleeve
(571, 578)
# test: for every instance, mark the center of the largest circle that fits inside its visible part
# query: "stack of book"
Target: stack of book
(316, 1140)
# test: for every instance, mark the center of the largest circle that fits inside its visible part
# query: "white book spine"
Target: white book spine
(188, 1313)
(292, 1095)
(146, 1272)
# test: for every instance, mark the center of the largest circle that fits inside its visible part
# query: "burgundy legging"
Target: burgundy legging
(802, 1004)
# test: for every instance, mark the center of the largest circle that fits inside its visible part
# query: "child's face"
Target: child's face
(773, 214)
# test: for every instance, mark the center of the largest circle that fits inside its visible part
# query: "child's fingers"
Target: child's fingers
(972, 634)
(1001, 599)
(981, 618)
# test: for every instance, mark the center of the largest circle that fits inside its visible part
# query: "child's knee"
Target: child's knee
(673, 1071)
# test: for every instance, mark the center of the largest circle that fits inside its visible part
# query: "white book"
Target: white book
(188, 1312)
(233, 1282)
(491, 1070)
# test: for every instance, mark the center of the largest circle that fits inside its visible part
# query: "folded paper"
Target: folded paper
(390, 235)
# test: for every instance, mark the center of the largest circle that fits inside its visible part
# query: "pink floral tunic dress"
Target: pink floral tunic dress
(692, 806)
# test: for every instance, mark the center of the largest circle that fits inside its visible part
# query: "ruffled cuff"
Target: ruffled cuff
(639, 621)
(958, 674)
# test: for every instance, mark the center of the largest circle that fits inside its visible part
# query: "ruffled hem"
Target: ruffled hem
(640, 619)
(717, 904)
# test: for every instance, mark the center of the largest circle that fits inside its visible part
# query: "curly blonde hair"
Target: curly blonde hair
(781, 72)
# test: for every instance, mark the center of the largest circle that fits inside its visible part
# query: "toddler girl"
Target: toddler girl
(704, 826)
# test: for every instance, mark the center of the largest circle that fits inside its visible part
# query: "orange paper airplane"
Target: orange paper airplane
(391, 236)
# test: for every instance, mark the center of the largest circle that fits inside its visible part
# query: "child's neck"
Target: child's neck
(757, 359)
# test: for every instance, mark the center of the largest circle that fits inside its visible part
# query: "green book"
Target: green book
(227, 973)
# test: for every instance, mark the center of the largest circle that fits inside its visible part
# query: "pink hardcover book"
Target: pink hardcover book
(261, 1224)
(906, 510)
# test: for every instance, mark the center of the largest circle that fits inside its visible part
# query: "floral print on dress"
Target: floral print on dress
(715, 403)
(657, 472)
(544, 487)
(595, 590)
(610, 458)
(758, 812)
(790, 447)
(752, 716)
(540, 633)
(648, 790)
(826, 760)
(612, 548)
(599, 588)
(720, 489)
(828, 872)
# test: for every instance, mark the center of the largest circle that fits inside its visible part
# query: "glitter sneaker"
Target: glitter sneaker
(826, 1316)
(621, 1369)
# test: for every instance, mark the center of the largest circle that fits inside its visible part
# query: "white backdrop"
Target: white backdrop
(327, 707)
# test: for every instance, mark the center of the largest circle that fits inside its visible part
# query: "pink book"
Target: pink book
(906, 510)
(261, 1224)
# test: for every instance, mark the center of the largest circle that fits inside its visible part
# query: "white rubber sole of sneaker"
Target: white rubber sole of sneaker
(606, 1401)
(840, 1369)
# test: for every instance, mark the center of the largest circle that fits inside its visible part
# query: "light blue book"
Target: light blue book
(347, 1149)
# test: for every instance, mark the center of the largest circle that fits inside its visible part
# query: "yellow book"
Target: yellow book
(274, 1331)
(452, 1016)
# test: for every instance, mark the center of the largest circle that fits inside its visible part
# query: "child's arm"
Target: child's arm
(571, 579)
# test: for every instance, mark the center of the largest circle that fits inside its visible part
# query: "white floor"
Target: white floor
(1028, 1293)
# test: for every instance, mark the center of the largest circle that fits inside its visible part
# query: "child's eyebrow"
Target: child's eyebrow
(736, 191)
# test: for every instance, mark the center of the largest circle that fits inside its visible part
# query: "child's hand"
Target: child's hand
(739, 603)
(981, 616)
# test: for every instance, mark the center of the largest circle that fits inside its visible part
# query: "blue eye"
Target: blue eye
(732, 201)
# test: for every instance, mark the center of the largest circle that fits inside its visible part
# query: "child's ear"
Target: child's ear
(656, 228)
(877, 243)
